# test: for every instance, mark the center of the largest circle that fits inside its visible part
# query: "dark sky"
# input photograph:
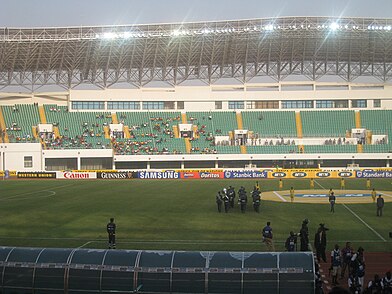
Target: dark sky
(36, 13)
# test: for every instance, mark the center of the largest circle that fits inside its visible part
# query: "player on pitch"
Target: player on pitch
(292, 194)
(368, 183)
(312, 183)
(280, 184)
(374, 195)
(342, 183)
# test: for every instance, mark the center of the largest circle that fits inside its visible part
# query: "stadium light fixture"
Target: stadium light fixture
(109, 36)
(269, 27)
(334, 26)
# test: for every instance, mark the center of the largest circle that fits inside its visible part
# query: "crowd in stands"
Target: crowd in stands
(146, 136)
(339, 141)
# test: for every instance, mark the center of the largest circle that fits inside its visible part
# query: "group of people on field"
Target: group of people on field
(225, 198)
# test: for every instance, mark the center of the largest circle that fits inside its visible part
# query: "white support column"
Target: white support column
(388, 163)
(79, 163)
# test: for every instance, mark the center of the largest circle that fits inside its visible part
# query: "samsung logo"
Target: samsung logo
(159, 175)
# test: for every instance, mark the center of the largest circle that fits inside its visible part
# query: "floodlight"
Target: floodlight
(334, 26)
(127, 35)
(109, 35)
(176, 33)
(269, 27)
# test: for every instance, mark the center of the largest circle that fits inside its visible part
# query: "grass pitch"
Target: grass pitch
(177, 215)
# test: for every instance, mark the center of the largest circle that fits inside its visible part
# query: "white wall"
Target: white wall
(12, 156)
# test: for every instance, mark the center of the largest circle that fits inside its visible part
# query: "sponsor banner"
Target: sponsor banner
(251, 174)
(158, 174)
(212, 175)
(190, 175)
(36, 175)
(309, 174)
(368, 173)
(94, 170)
(322, 174)
(198, 170)
(345, 174)
(322, 195)
(11, 173)
(277, 175)
(76, 175)
(116, 175)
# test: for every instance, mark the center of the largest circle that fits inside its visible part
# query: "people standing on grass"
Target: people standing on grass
(267, 237)
(342, 183)
(292, 194)
(380, 205)
(111, 230)
(332, 200)
(304, 235)
(219, 201)
(374, 195)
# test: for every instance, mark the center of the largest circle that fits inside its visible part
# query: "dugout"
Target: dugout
(43, 270)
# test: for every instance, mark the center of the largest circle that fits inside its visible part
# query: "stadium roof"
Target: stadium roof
(208, 51)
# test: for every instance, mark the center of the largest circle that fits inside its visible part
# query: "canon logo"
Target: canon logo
(70, 175)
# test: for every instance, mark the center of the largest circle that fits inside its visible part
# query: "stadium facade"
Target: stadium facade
(318, 89)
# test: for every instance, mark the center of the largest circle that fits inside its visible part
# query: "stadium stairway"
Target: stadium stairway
(127, 134)
(56, 132)
(183, 118)
(3, 127)
(358, 126)
(114, 118)
(195, 134)
(357, 119)
(240, 126)
(42, 115)
(34, 130)
(106, 129)
(188, 145)
(176, 132)
(298, 124)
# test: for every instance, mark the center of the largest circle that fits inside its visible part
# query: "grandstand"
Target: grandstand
(201, 95)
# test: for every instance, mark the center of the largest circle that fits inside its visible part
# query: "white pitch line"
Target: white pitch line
(35, 192)
(85, 244)
(358, 217)
(280, 196)
(386, 194)
(319, 184)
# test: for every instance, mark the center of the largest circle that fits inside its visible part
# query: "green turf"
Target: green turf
(174, 214)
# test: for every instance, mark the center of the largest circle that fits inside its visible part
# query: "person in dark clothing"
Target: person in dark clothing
(332, 200)
(304, 235)
(231, 194)
(380, 205)
(256, 199)
(291, 242)
(226, 201)
(320, 243)
(375, 286)
(219, 201)
(347, 254)
(111, 229)
(242, 201)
